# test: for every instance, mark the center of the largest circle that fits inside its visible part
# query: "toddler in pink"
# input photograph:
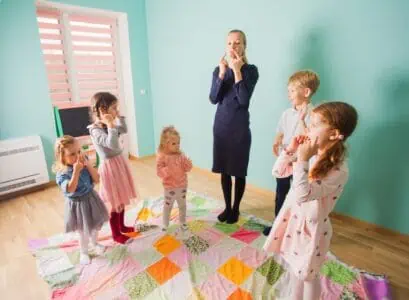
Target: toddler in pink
(172, 167)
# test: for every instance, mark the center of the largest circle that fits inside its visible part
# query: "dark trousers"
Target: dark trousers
(283, 186)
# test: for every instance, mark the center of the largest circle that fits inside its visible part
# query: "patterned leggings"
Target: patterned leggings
(178, 194)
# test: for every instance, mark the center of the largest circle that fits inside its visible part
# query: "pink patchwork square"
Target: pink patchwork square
(216, 287)
(329, 289)
(245, 235)
(181, 257)
(211, 235)
(251, 256)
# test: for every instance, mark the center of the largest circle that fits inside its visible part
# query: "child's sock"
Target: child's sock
(83, 241)
(98, 248)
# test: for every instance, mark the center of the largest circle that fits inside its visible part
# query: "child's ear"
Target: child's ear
(307, 92)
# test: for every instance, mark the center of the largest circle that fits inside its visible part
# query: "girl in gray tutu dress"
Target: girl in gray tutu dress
(84, 210)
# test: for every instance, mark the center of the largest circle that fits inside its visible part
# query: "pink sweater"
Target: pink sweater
(172, 169)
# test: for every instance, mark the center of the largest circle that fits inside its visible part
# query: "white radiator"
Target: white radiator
(22, 164)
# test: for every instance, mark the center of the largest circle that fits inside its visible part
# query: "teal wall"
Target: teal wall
(25, 103)
(359, 48)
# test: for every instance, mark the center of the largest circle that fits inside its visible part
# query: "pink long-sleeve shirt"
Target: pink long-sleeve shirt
(172, 169)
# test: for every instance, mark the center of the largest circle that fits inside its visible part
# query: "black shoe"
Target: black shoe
(233, 217)
(266, 231)
(224, 216)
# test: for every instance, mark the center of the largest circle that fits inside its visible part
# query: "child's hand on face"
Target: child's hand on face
(307, 149)
(296, 142)
(78, 165)
(107, 119)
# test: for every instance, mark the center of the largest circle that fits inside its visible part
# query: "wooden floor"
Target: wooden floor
(40, 214)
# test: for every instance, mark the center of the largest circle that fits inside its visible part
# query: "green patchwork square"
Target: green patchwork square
(62, 279)
(147, 257)
(196, 244)
(271, 270)
(198, 271)
(198, 213)
(226, 228)
(198, 201)
(338, 273)
(140, 286)
(254, 225)
(117, 254)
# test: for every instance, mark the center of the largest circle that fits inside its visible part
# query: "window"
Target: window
(80, 52)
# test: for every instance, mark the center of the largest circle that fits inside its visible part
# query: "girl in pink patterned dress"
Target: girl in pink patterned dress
(302, 231)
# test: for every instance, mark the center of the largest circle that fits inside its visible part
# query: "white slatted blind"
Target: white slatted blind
(80, 53)
(52, 44)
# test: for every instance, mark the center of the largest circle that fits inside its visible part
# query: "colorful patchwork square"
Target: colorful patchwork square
(259, 242)
(211, 235)
(198, 213)
(240, 294)
(252, 224)
(140, 286)
(216, 287)
(338, 273)
(198, 201)
(163, 270)
(197, 226)
(257, 284)
(251, 256)
(144, 214)
(116, 254)
(196, 295)
(181, 257)
(167, 244)
(271, 270)
(179, 286)
(221, 252)
(198, 271)
(196, 244)
(227, 228)
(245, 235)
(235, 270)
(147, 257)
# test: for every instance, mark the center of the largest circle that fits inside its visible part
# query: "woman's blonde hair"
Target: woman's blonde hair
(167, 133)
(60, 145)
(243, 36)
(343, 117)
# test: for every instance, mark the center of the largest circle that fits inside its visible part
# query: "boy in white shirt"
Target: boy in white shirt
(302, 85)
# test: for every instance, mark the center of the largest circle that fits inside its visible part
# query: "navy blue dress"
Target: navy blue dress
(231, 129)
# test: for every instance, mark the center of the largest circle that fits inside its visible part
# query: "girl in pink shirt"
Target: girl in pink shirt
(172, 166)
(302, 231)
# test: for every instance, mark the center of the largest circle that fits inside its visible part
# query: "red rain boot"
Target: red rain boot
(116, 233)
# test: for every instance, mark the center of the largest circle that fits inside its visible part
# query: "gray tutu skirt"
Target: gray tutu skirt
(84, 213)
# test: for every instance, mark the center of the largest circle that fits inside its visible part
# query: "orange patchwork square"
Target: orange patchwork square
(239, 294)
(163, 270)
(167, 244)
(235, 270)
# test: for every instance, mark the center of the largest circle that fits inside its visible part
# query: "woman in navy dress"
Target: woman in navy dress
(232, 86)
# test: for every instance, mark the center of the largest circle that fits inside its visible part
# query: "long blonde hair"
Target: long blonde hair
(167, 133)
(60, 145)
(244, 38)
(341, 116)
